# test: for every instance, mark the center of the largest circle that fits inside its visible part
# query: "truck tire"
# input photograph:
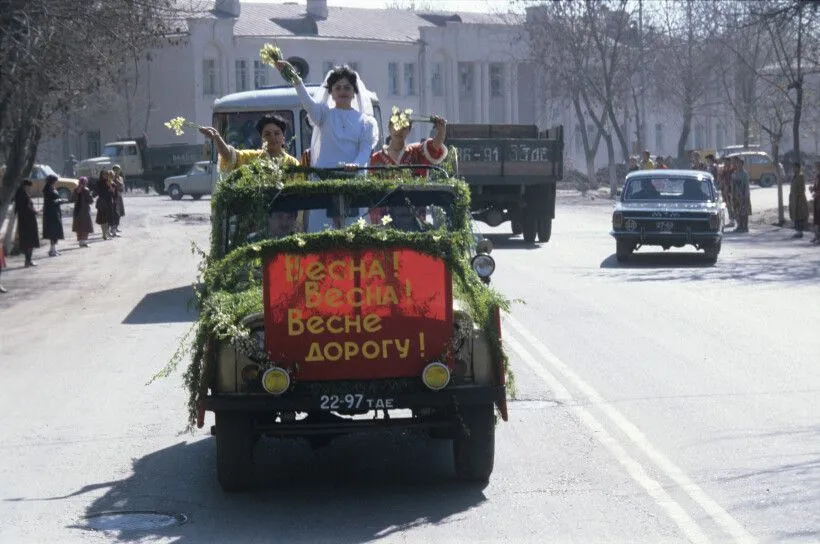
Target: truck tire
(474, 445)
(544, 229)
(175, 192)
(766, 180)
(234, 450)
(712, 252)
(530, 228)
(623, 250)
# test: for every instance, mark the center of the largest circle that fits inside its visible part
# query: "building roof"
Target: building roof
(391, 25)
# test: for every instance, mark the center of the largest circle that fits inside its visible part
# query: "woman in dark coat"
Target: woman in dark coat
(106, 207)
(81, 222)
(52, 215)
(26, 222)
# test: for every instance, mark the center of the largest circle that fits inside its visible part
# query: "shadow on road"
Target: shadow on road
(508, 241)
(665, 261)
(168, 306)
(360, 488)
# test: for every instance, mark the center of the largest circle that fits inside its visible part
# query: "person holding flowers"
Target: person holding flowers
(344, 129)
(398, 152)
(271, 128)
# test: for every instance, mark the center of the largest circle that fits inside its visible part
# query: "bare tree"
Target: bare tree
(54, 56)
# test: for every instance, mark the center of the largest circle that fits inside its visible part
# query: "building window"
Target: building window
(659, 138)
(465, 79)
(496, 80)
(93, 139)
(393, 78)
(260, 74)
(437, 79)
(327, 67)
(241, 75)
(209, 77)
(409, 78)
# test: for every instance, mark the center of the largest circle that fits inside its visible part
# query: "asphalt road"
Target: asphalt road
(660, 401)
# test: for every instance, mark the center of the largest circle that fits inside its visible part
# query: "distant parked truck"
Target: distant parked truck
(144, 165)
(512, 171)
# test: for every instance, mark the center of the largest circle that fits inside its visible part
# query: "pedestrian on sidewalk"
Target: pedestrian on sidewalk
(52, 215)
(29, 237)
(815, 189)
(798, 206)
(81, 222)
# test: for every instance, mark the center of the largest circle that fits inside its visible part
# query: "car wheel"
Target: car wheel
(474, 445)
(175, 191)
(712, 252)
(623, 250)
(64, 193)
(234, 450)
(766, 180)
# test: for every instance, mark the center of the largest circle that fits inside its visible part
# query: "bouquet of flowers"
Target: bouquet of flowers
(401, 119)
(270, 55)
(177, 123)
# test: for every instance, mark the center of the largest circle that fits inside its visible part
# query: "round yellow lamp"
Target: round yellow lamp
(275, 380)
(436, 376)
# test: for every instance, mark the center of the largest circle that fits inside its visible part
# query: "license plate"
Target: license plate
(355, 401)
(665, 226)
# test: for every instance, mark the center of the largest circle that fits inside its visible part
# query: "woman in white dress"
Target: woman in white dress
(344, 129)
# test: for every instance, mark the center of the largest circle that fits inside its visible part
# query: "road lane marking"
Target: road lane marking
(722, 518)
(654, 489)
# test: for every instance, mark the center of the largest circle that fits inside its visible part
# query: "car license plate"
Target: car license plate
(355, 401)
(665, 226)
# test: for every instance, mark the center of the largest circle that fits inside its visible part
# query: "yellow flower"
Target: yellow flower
(176, 124)
(270, 54)
(400, 119)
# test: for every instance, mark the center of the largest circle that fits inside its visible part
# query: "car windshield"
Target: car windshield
(415, 210)
(199, 168)
(112, 151)
(668, 188)
(44, 170)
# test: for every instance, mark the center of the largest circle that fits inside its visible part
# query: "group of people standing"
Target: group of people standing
(106, 192)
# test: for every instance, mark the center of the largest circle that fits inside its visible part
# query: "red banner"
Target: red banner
(357, 314)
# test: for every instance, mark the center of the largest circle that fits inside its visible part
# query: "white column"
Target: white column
(484, 95)
(514, 93)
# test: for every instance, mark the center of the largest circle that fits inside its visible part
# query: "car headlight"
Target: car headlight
(484, 265)
(617, 220)
(714, 221)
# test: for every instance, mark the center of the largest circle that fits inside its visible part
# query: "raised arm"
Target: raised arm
(226, 152)
(315, 110)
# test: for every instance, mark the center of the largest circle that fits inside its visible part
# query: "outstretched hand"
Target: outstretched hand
(209, 132)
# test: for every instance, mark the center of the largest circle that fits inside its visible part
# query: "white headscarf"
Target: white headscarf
(362, 104)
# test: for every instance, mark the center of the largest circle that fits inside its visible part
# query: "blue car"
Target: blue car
(668, 208)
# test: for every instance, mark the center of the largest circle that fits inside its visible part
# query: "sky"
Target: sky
(486, 6)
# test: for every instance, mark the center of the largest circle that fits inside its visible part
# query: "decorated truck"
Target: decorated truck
(512, 171)
(144, 165)
(340, 306)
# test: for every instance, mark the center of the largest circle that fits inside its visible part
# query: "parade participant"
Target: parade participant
(52, 215)
(798, 205)
(646, 161)
(429, 152)
(633, 165)
(26, 221)
(105, 203)
(81, 217)
(741, 196)
(118, 183)
(725, 172)
(815, 189)
(344, 129)
(271, 129)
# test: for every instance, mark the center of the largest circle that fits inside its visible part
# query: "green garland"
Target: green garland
(232, 290)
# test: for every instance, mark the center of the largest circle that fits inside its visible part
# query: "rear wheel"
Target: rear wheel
(529, 226)
(544, 229)
(474, 445)
(234, 450)
(175, 192)
(767, 180)
(623, 250)
(712, 252)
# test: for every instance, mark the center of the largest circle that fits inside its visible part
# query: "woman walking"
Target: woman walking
(26, 222)
(815, 189)
(52, 215)
(118, 183)
(81, 223)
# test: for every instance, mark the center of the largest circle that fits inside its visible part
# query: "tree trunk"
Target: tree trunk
(781, 216)
(685, 130)
(613, 176)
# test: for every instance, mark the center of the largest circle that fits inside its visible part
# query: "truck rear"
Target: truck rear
(512, 172)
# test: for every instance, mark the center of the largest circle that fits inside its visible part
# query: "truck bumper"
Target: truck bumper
(667, 238)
